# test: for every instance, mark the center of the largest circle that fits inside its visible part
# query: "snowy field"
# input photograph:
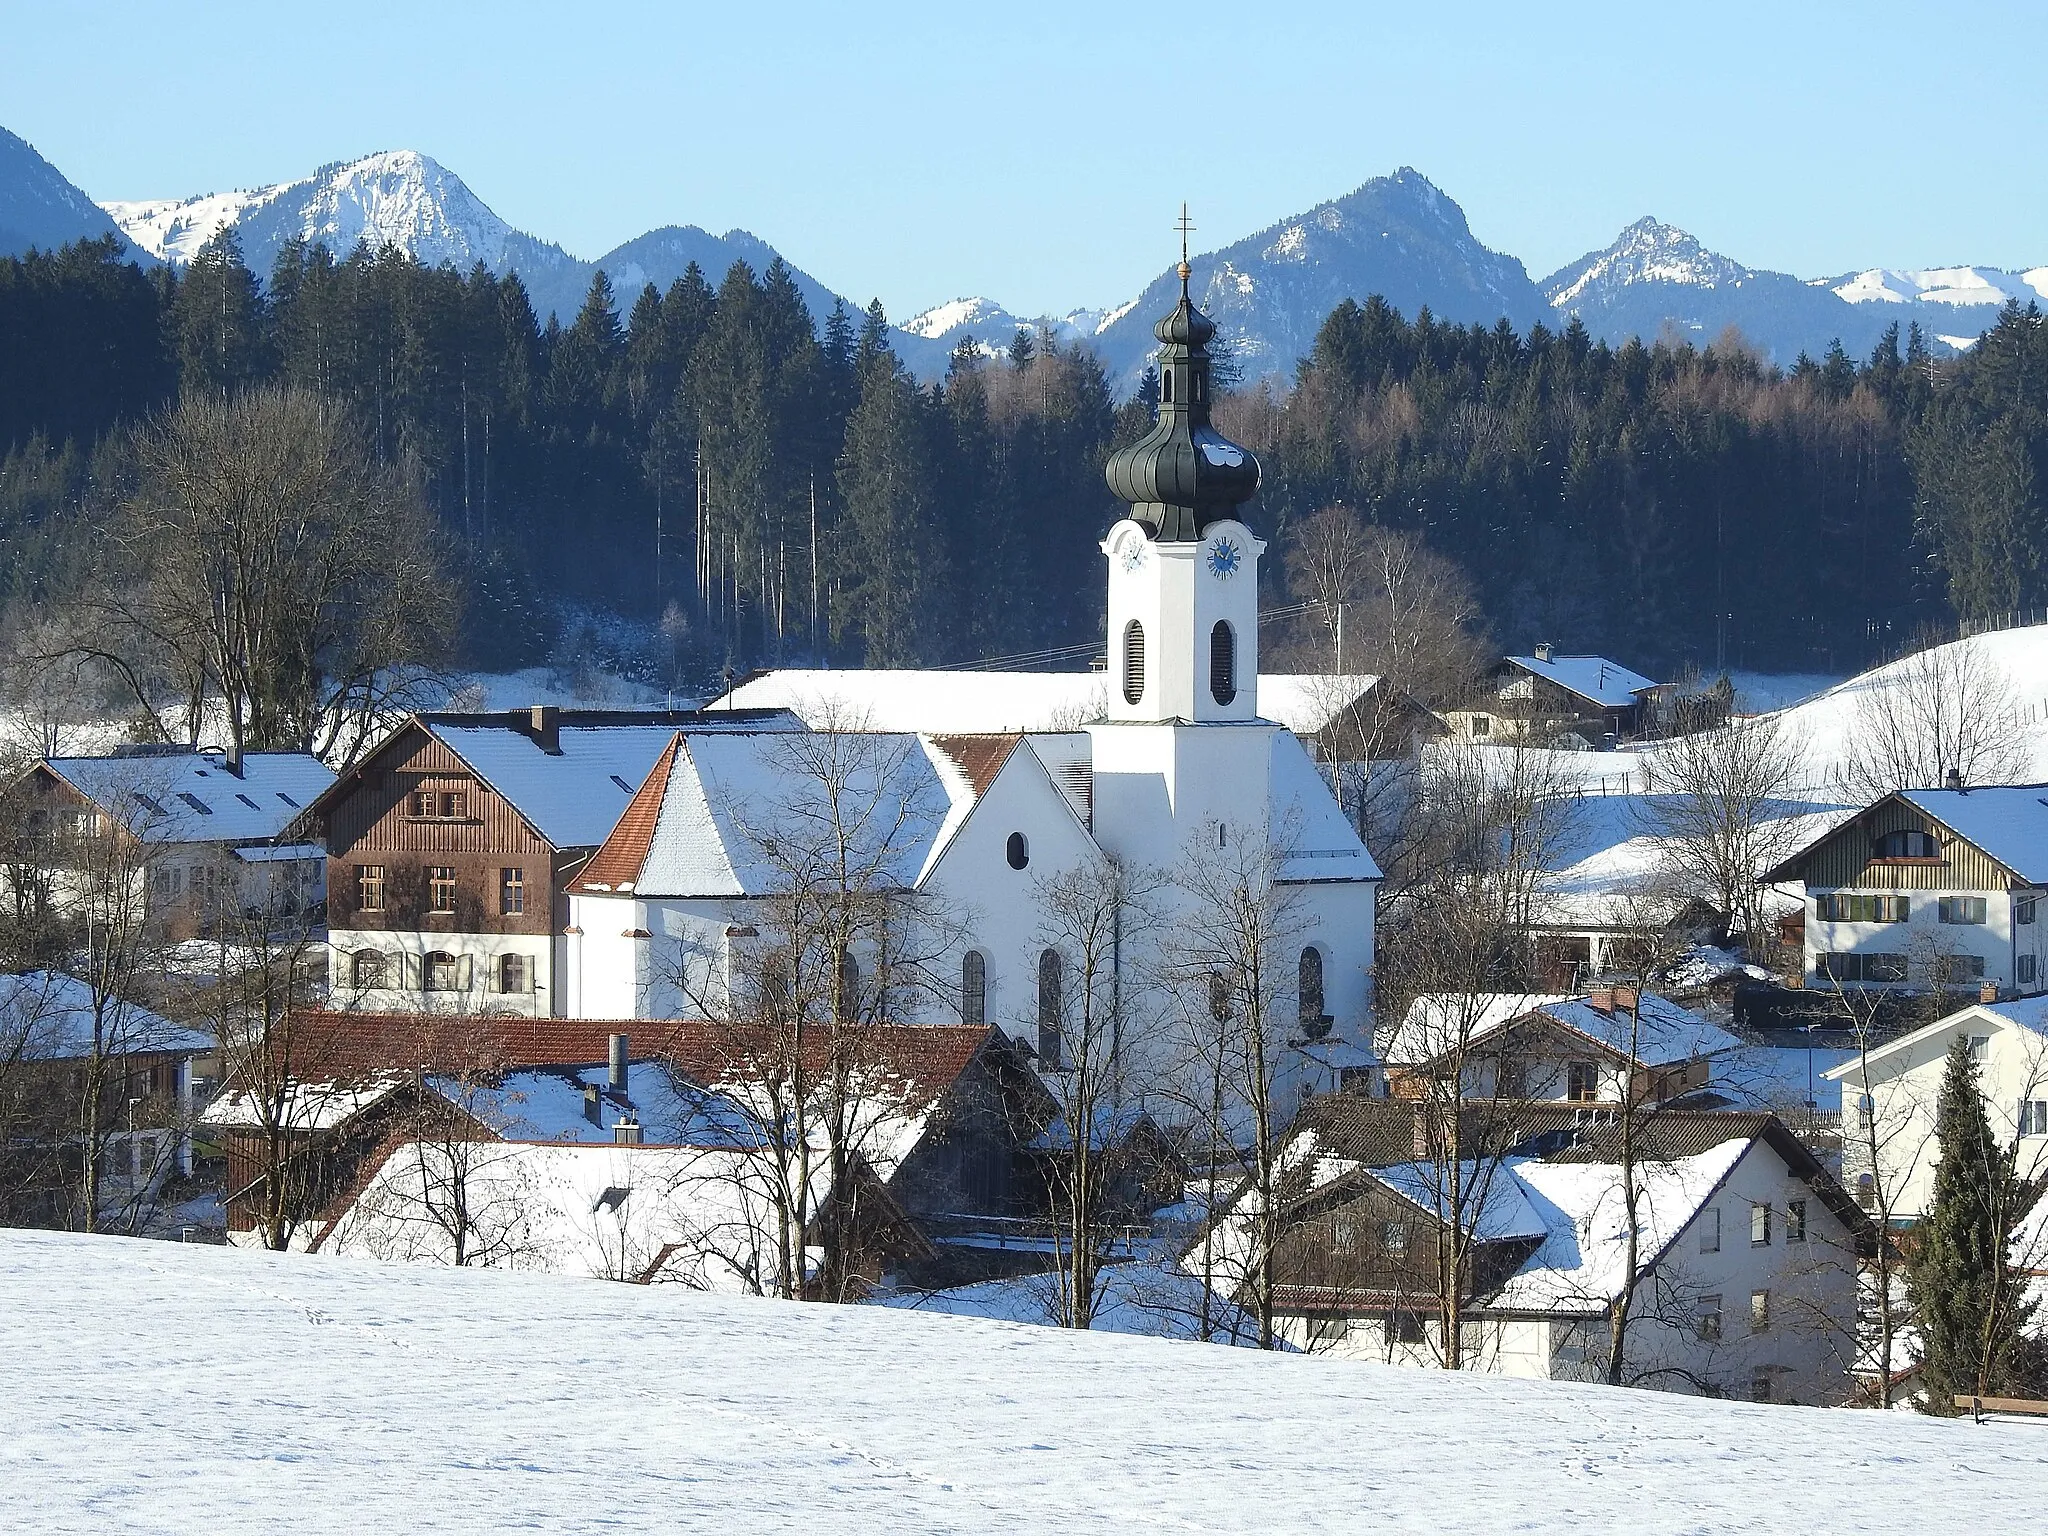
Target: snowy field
(153, 1387)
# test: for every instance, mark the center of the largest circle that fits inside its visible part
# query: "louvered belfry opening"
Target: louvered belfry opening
(1223, 662)
(1134, 662)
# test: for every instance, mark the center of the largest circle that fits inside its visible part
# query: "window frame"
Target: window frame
(974, 987)
(370, 878)
(1759, 1224)
(1795, 1221)
(1963, 911)
(1582, 1074)
(1710, 1229)
(1706, 1314)
(441, 878)
(511, 890)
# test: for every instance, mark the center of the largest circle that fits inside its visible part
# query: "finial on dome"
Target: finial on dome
(1185, 271)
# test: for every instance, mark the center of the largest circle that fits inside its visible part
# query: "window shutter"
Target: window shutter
(465, 972)
(414, 976)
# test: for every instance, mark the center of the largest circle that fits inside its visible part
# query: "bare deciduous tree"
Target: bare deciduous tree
(267, 561)
(1719, 811)
(1945, 709)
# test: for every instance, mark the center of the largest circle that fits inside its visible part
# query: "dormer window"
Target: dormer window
(1908, 845)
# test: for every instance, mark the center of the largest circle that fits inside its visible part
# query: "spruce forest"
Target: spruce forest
(746, 483)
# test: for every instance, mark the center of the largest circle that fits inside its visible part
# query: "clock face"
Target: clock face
(1224, 558)
(1133, 554)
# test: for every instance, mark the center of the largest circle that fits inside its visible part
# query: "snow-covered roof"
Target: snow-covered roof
(281, 853)
(703, 1217)
(550, 1104)
(1317, 840)
(2009, 823)
(1665, 1033)
(719, 805)
(945, 702)
(1495, 1206)
(190, 797)
(1582, 1265)
(2028, 1013)
(573, 797)
(311, 1105)
(1595, 678)
(51, 1014)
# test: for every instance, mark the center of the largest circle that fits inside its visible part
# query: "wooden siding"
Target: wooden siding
(369, 824)
(1843, 861)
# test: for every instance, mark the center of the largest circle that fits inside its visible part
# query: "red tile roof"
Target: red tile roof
(618, 860)
(981, 758)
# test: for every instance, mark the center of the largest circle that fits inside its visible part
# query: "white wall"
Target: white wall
(403, 947)
(1923, 934)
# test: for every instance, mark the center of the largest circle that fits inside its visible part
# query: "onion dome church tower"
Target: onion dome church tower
(1183, 571)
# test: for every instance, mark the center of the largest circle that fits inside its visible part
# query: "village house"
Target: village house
(1890, 1095)
(1927, 888)
(205, 836)
(1550, 700)
(450, 847)
(1610, 1047)
(947, 1128)
(61, 1044)
(1747, 1255)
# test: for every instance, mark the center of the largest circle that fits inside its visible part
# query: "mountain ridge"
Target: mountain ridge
(1398, 235)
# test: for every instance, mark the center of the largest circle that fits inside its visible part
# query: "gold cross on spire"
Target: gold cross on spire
(1184, 226)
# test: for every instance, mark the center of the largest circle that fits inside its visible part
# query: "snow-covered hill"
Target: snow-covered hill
(38, 207)
(164, 1387)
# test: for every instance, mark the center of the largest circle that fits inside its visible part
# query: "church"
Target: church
(1215, 815)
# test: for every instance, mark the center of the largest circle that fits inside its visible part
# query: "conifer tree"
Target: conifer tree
(220, 321)
(1967, 1297)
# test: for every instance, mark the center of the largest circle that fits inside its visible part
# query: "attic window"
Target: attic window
(148, 804)
(1908, 845)
(195, 802)
(287, 799)
(622, 784)
(247, 801)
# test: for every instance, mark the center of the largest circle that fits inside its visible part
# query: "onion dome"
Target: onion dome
(1183, 475)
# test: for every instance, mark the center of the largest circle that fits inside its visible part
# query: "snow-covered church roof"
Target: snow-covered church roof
(962, 702)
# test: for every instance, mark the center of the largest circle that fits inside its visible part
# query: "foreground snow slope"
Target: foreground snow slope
(152, 1387)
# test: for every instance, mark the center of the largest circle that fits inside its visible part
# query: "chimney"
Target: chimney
(545, 726)
(1955, 779)
(1543, 650)
(618, 1064)
(1987, 991)
(627, 1133)
(1601, 1000)
(231, 755)
(593, 1101)
(1622, 1000)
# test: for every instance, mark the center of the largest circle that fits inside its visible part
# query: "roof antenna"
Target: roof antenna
(1186, 271)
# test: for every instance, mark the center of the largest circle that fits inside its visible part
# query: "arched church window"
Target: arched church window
(1049, 979)
(1311, 985)
(973, 988)
(1223, 662)
(1134, 662)
(1017, 851)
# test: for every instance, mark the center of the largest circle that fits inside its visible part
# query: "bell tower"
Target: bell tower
(1183, 571)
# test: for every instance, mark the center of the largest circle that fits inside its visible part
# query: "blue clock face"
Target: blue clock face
(1224, 558)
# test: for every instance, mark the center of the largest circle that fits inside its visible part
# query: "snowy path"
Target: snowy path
(149, 1387)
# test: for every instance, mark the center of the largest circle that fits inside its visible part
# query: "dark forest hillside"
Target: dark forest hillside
(765, 484)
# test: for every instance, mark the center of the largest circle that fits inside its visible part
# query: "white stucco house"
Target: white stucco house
(1928, 887)
(1889, 1098)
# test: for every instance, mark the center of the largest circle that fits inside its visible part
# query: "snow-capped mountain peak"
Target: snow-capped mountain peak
(1648, 251)
(398, 197)
(1958, 287)
(960, 314)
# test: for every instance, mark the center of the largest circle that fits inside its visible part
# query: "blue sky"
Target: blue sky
(1038, 153)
